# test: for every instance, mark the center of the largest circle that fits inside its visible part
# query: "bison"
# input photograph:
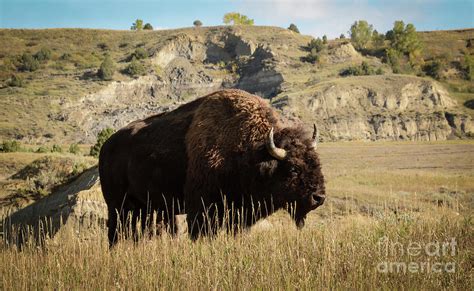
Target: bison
(225, 151)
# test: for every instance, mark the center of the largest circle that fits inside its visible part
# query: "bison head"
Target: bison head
(295, 172)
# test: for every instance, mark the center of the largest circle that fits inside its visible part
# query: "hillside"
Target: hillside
(64, 101)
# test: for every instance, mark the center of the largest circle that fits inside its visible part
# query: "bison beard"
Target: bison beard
(226, 151)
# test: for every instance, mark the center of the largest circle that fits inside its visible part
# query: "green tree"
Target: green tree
(148, 26)
(294, 28)
(378, 39)
(102, 137)
(361, 34)
(235, 18)
(404, 38)
(107, 69)
(28, 63)
(135, 68)
(342, 36)
(137, 25)
(389, 35)
(325, 39)
(411, 42)
(396, 35)
(197, 23)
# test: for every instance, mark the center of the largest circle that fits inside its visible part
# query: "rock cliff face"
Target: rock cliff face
(387, 107)
(380, 107)
(75, 209)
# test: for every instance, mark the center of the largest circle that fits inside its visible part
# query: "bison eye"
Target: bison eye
(294, 170)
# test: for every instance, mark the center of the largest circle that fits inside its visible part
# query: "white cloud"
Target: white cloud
(318, 17)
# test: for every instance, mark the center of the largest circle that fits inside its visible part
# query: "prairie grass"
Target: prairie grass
(347, 252)
(398, 216)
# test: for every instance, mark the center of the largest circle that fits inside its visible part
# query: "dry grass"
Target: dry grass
(384, 202)
(343, 253)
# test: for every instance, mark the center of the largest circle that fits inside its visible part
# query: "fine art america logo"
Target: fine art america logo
(431, 257)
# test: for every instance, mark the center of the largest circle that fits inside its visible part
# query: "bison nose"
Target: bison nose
(317, 200)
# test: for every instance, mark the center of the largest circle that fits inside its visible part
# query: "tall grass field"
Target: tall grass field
(397, 216)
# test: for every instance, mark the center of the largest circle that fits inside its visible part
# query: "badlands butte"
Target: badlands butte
(65, 102)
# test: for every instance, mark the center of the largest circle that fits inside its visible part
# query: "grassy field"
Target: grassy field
(398, 215)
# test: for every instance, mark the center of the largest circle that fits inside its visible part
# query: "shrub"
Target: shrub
(107, 69)
(10, 146)
(135, 68)
(28, 63)
(316, 44)
(362, 70)
(46, 173)
(294, 28)
(433, 69)
(103, 46)
(139, 53)
(42, 150)
(15, 81)
(102, 137)
(366, 68)
(56, 149)
(78, 168)
(197, 23)
(393, 59)
(312, 57)
(325, 39)
(66, 56)
(43, 55)
(10, 64)
(148, 26)
(314, 47)
(469, 67)
(74, 148)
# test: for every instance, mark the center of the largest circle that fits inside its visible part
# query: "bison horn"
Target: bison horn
(315, 136)
(277, 153)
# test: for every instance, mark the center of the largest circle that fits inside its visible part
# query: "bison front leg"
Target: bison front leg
(112, 227)
(203, 209)
(205, 221)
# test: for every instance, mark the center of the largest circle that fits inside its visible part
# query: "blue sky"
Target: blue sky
(314, 17)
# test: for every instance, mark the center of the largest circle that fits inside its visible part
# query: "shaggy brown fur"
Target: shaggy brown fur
(208, 156)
